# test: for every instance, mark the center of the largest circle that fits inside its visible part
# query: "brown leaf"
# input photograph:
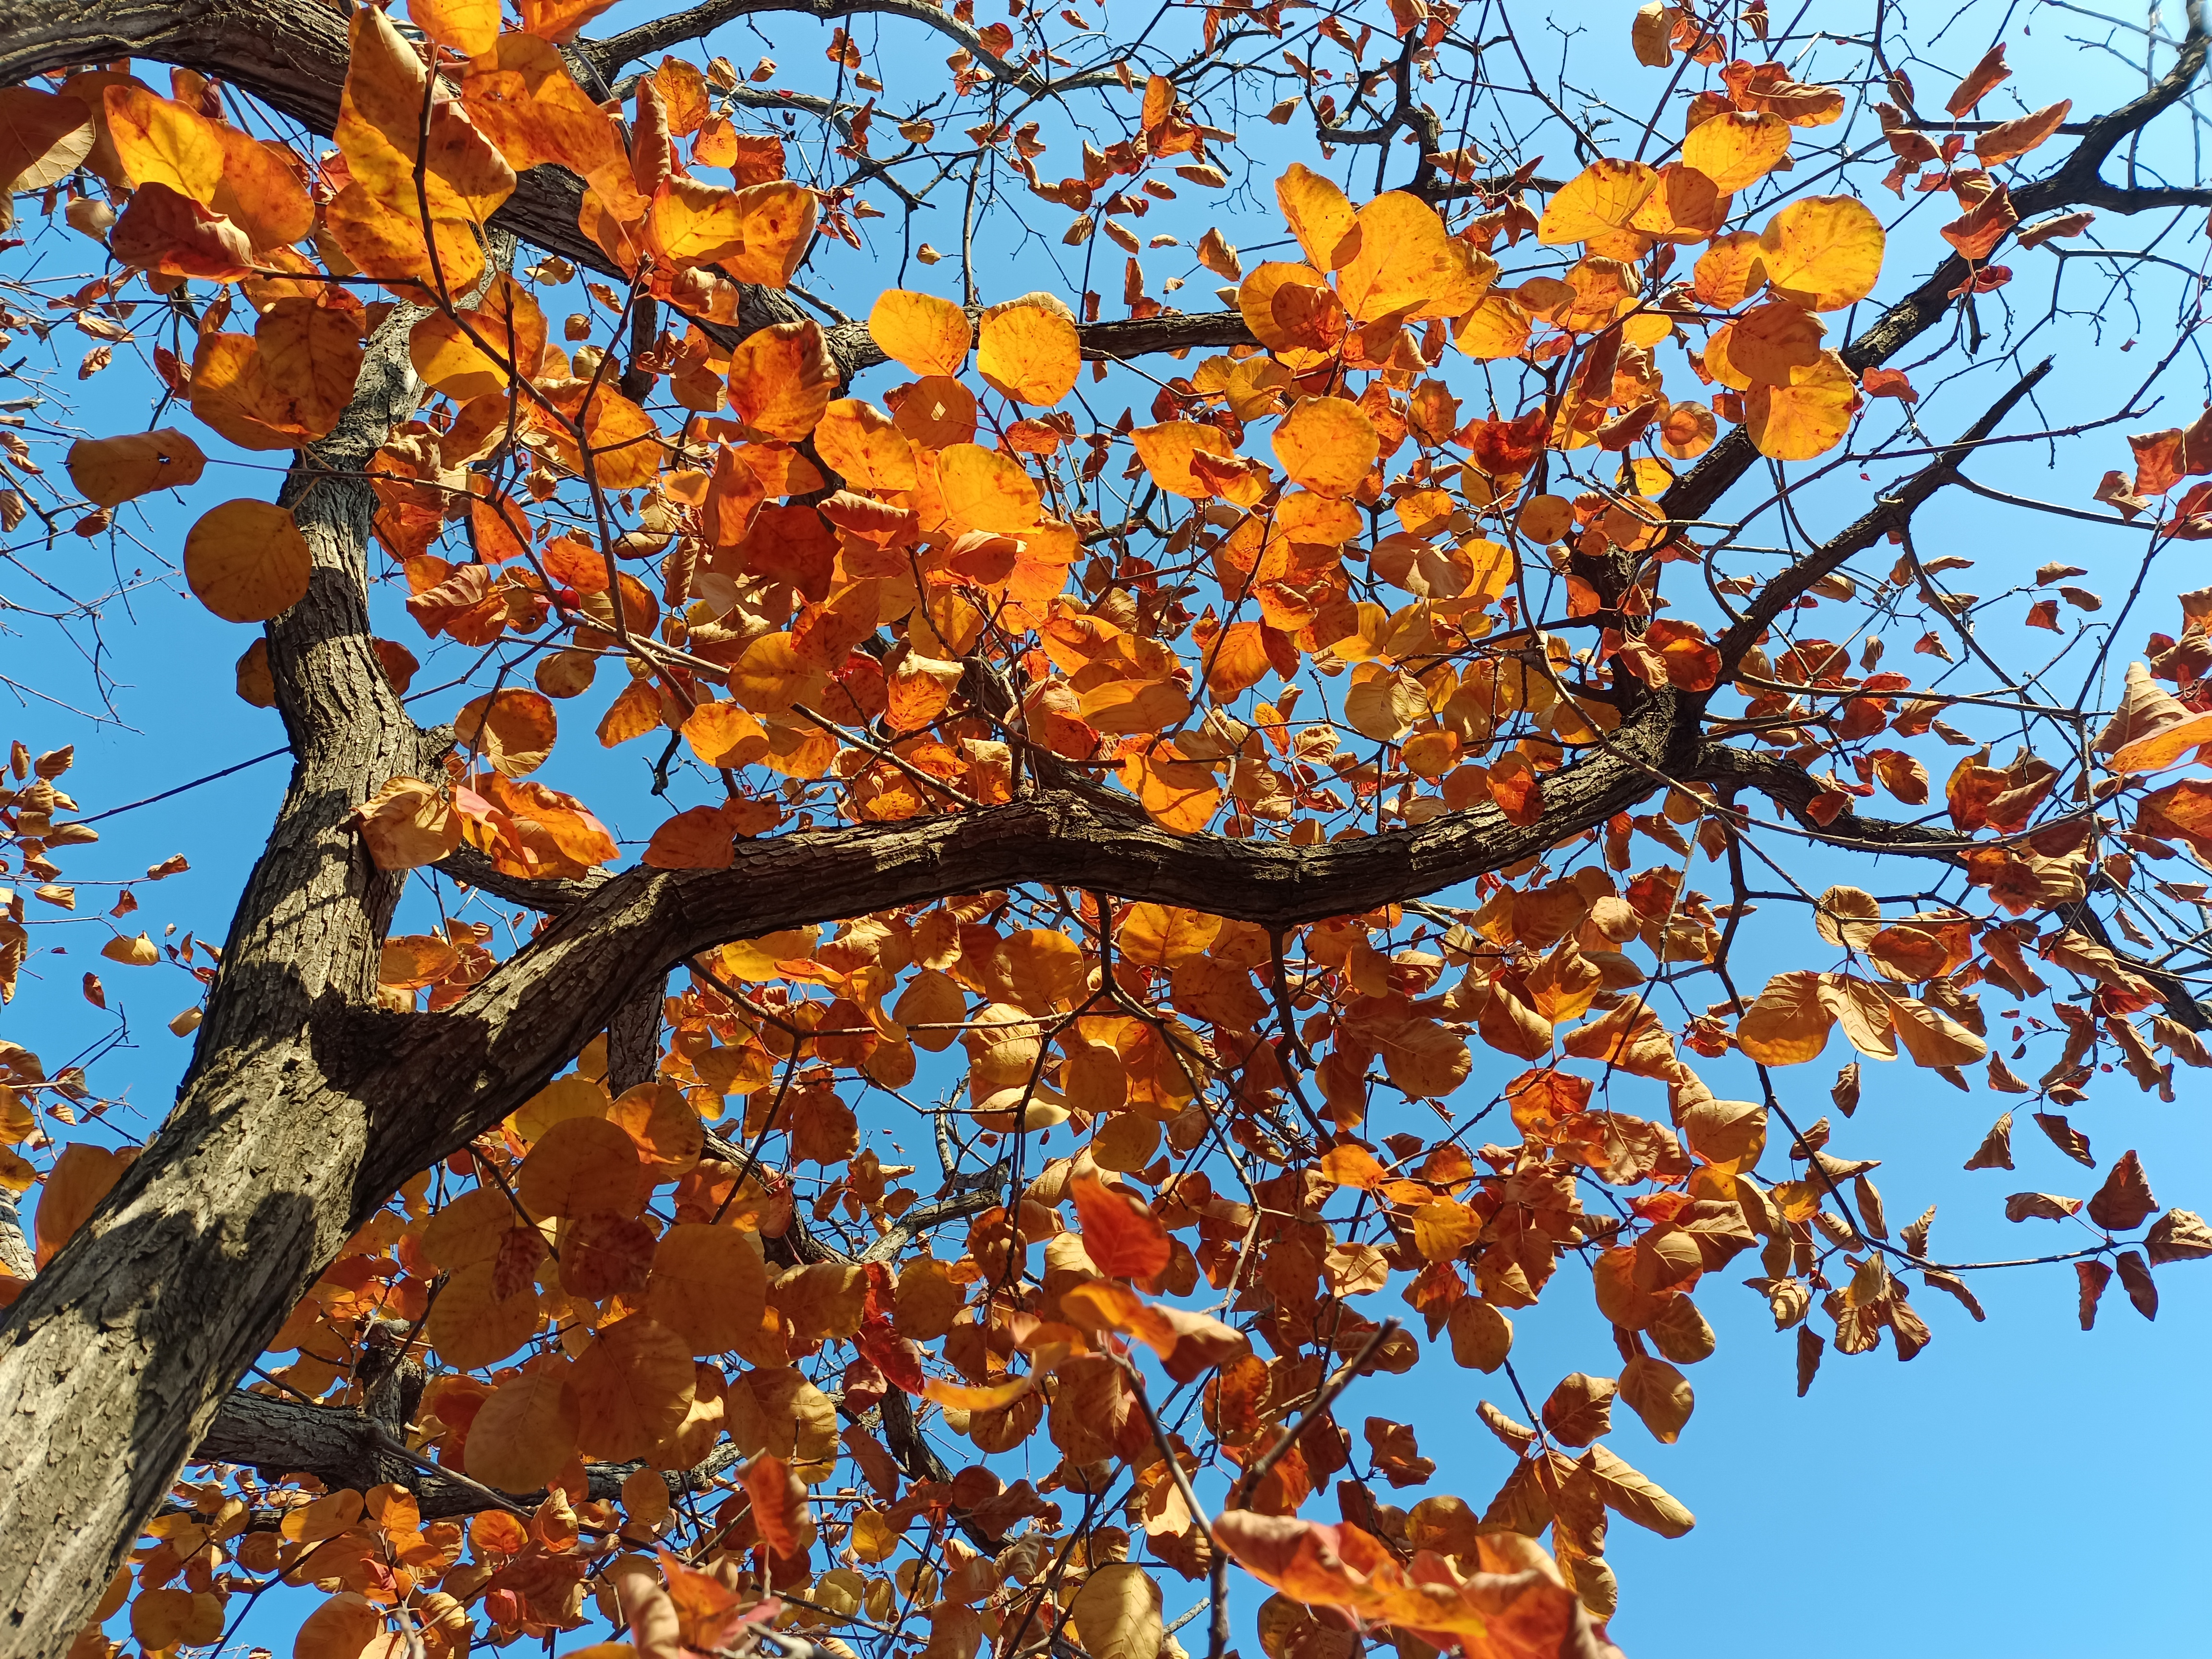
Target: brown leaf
(2177, 1235)
(2135, 1278)
(2124, 1200)
(2039, 1206)
(2066, 1138)
(1580, 1409)
(2093, 1277)
(1995, 1150)
(1980, 81)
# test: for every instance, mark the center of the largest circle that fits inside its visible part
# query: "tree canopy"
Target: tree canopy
(905, 948)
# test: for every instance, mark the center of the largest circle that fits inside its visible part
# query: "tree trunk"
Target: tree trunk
(115, 1360)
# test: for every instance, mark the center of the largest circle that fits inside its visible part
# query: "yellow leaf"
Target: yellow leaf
(139, 952)
(1597, 202)
(1931, 1036)
(407, 823)
(1495, 328)
(247, 561)
(1179, 795)
(160, 142)
(1736, 150)
(1319, 214)
(1117, 1613)
(380, 129)
(583, 1166)
(1028, 349)
(1789, 1023)
(44, 136)
(345, 1626)
(1806, 418)
(389, 245)
(1823, 251)
(1405, 258)
(508, 323)
(920, 331)
(1481, 1335)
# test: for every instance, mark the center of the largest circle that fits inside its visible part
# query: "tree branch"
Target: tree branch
(612, 54)
(2074, 181)
(1789, 585)
(343, 1448)
(524, 1020)
(1794, 789)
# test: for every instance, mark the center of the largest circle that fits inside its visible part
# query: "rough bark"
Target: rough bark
(343, 1448)
(115, 1359)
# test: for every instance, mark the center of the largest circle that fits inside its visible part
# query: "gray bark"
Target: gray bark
(115, 1359)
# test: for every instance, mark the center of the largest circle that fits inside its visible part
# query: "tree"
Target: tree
(1256, 815)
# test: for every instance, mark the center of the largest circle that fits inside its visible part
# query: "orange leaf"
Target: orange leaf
(1805, 418)
(512, 729)
(470, 28)
(1167, 450)
(1319, 214)
(634, 1383)
(525, 1433)
(109, 471)
(1980, 80)
(1028, 349)
(246, 561)
(1351, 1166)
(993, 1397)
(557, 21)
(1121, 1234)
(2010, 140)
(779, 1503)
(1328, 445)
(758, 234)
(920, 331)
(781, 377)
(170, 234)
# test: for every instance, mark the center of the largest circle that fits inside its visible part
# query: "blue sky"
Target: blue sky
(1896, 1507)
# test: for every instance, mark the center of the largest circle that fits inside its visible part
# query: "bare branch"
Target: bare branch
(1897, 507)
